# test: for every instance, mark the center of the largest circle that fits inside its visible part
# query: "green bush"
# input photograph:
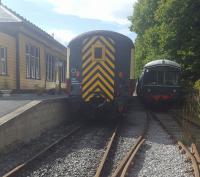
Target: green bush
(197, 85)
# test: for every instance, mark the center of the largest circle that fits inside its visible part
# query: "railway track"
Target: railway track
(193, 155)
(15, 171)
(116, 159)
(75, 154)
(123, 165)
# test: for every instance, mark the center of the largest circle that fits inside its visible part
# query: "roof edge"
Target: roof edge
(31, 26)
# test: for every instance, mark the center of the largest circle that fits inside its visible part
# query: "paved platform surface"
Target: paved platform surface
(11, 103)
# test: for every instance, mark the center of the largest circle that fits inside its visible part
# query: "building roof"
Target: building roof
(10, 16)
(162, 62)
(7, 16)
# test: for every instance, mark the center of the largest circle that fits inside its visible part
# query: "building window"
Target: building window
(50, 68)
(63, 71)
(3, 61)
(32, 62)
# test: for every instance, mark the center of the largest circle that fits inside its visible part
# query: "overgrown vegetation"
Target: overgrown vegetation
(191, 108)
(168, 29)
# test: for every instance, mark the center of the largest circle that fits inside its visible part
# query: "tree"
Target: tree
(168, 29)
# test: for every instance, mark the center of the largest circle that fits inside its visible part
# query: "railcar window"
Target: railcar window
(150, 77)
(153, 77)
(171, 78)
(160, 76)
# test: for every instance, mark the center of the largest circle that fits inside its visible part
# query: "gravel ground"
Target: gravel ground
(130, 130)
(171, 125)
(159, 157)
(22, 152)
(77, 156)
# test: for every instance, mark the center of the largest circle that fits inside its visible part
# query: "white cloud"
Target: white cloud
(63, 36)
(104, 10)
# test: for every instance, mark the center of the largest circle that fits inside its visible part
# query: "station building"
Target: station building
(29, 57)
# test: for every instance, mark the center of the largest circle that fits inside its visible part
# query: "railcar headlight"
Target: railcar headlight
(174, 90)
(148, 90)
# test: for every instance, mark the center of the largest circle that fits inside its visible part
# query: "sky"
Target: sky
(66, 19)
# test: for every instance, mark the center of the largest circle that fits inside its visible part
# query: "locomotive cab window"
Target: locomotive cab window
(98, 52)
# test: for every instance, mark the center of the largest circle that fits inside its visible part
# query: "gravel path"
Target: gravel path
(77, 156)
(22, 152)
(159, 157)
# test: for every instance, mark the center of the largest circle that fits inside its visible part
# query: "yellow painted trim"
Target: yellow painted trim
(110, 63)
(102, 87)
(89, 43)
(88, 68)
(86, 62)
(107, 43)
(86, 54)
(102, 80)
(93, 71)
(110, 55)
(96, 45)
(108, 69)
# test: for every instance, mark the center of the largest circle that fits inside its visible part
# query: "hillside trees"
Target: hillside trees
(168, 29)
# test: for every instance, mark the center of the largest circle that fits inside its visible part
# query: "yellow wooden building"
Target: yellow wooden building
(29, 57)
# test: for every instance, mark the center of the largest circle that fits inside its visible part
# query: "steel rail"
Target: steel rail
(193, 160)
(124, 172)
(14, 171)
(108, 147)
(196, 153)
(126, 158)
(126, 161)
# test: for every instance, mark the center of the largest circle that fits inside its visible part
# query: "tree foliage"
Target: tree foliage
(168, 29)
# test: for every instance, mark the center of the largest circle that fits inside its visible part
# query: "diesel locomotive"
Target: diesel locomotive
(159, 82)
(101, 68)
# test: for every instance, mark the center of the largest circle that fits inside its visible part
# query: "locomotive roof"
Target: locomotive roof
(111, 34)
(162, 62)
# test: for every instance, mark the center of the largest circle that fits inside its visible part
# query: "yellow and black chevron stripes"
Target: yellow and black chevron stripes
(98, 73)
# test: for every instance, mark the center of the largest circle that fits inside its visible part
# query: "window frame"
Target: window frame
(94, 47)
(33, 69)
(50, 67)
(63, 71)
(3, 61)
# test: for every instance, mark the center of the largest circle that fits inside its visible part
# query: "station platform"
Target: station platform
(10, 103)
(25, 116)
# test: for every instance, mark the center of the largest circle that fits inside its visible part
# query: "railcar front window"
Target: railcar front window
(155, 77)
(171, 78)
(160, 76)
(150, 77)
